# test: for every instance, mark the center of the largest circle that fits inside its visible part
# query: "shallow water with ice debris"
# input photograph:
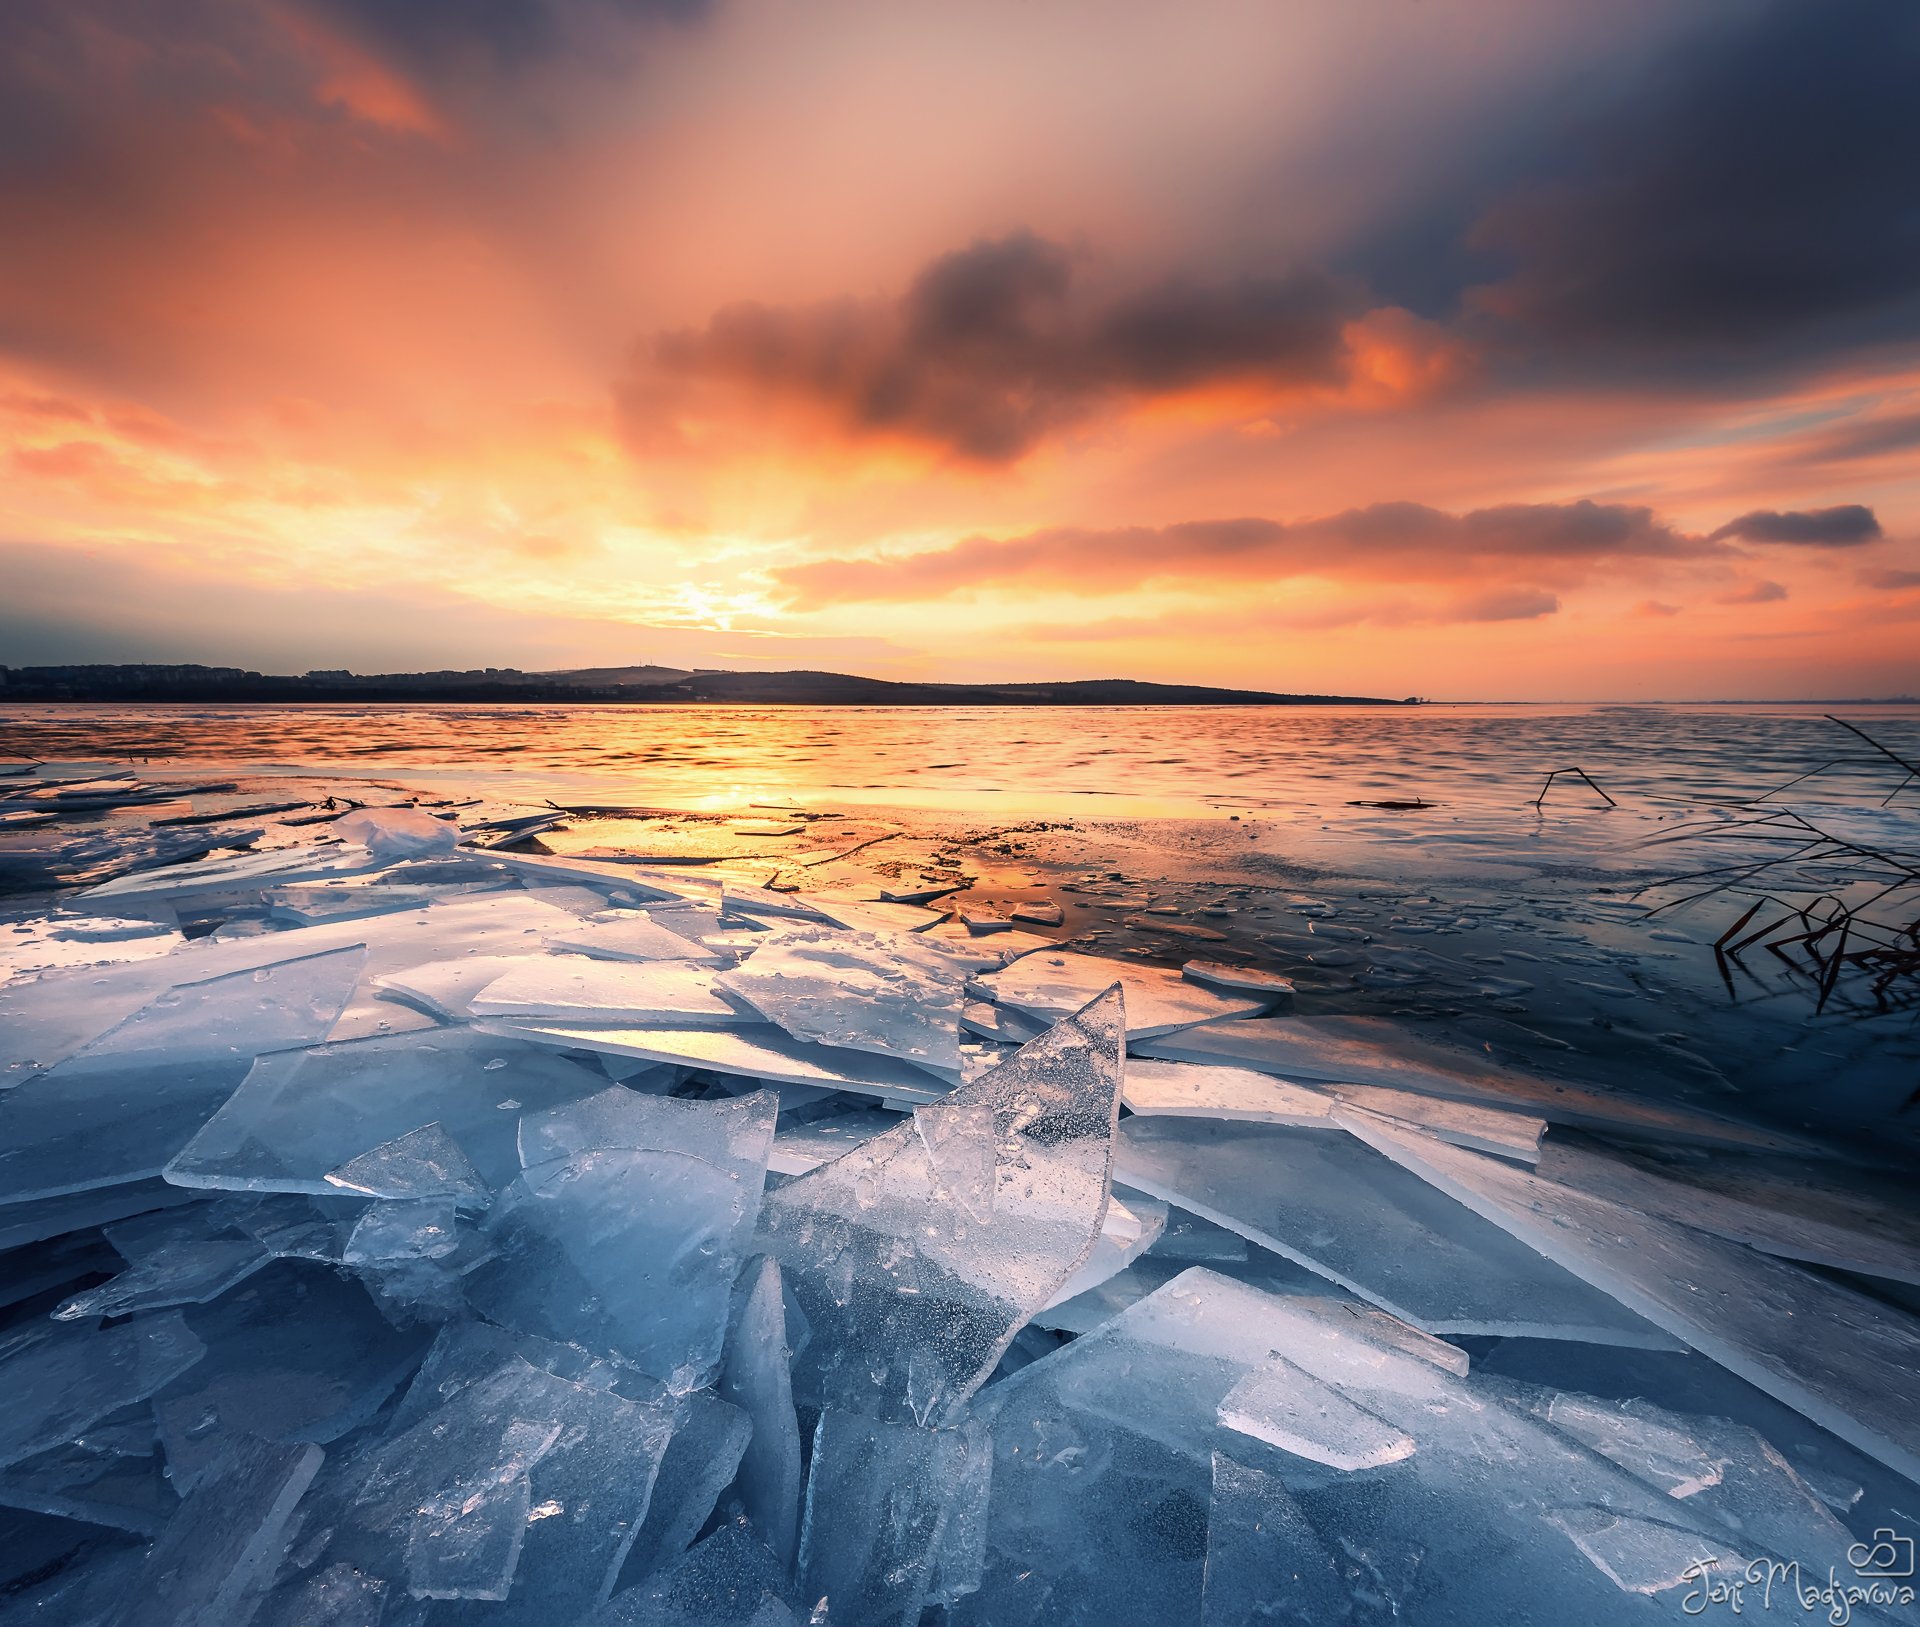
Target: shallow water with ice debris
(726, 1205)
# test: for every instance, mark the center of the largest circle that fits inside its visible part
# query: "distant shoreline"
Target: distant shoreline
(645, 686)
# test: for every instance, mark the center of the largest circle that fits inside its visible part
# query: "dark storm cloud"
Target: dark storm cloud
(1562, 542)
(1845, 526)
(994, 346)
(429, 35)
(1755, 194)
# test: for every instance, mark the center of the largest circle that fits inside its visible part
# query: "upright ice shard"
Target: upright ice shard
(630, 1249)
(121, 1107)
(892, 1512)
(756, 1377)
(917, 1256)
(225, 1538)
(1745, 1310)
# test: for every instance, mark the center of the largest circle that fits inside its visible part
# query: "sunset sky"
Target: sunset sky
(1469, 348)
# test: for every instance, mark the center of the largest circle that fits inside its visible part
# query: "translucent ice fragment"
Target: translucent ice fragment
(757, 1051)
(300, 1116)
(709, 1439)
(1054, 982)
(1643, 1556)
(1279, 1404)
(1330, 1204)
(917, 1256)
(224, 1540)
(413, 1229)
(1843, 1360)
(572, 988)
(881, 1499)
(890, 993)
(188, 1273)
(57, 1381)
(1195, 1090)
(445, 1503)
(756, 1378)
(637, 935)
(424, 1163)
(398, 833)
(1266, 1565)
(631, 1250)
(1376, 1051)
(120, 1108)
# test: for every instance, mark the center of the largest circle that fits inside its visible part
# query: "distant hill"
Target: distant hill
(637, 684)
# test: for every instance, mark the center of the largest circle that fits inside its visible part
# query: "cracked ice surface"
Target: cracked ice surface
(917, 1256)
(444, 1242)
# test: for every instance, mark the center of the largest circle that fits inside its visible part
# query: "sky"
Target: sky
(1530, 349)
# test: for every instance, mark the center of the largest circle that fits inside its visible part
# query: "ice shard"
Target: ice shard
(1375, 1051)
(885, 1505)
(643, 935)
(300, 1116)
(1330, 1203)
(1747, 1311)
(1280, 1404)
(889, 993)
(756, 1377)
(119, 1109)
(59, 1380)
(709, 1440)
(188, 1273)
(1266, 1565)
(423, 1163)
(228, 1535)
(573, 988)
(730, 1580)
(917, 1256)
(630, 1250)
(1054, 982)
(756, 1051)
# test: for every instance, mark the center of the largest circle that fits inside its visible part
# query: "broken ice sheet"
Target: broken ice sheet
(865, 991)
(730, 1579)
(1845, 1361)
(1055, 982)
(1375, 1051)
(1123, 1419)
(295, 1353)
(1285, 1407)
(226, 1537)
(709, 1440)
(1265, 1562)
(120, 1108)
(756, 1051)
(424, 1163)
(58, 1380)
(916, 1256)
(892, 1520)
(1798, 1209)
(1195, 1090)
(300, 1116)
(573, 988)
(641, 935)
(444, 1504)
(630, 1249)
(188, 1273)
(1326, 1202)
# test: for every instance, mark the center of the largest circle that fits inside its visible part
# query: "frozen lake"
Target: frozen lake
(1024, 761)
